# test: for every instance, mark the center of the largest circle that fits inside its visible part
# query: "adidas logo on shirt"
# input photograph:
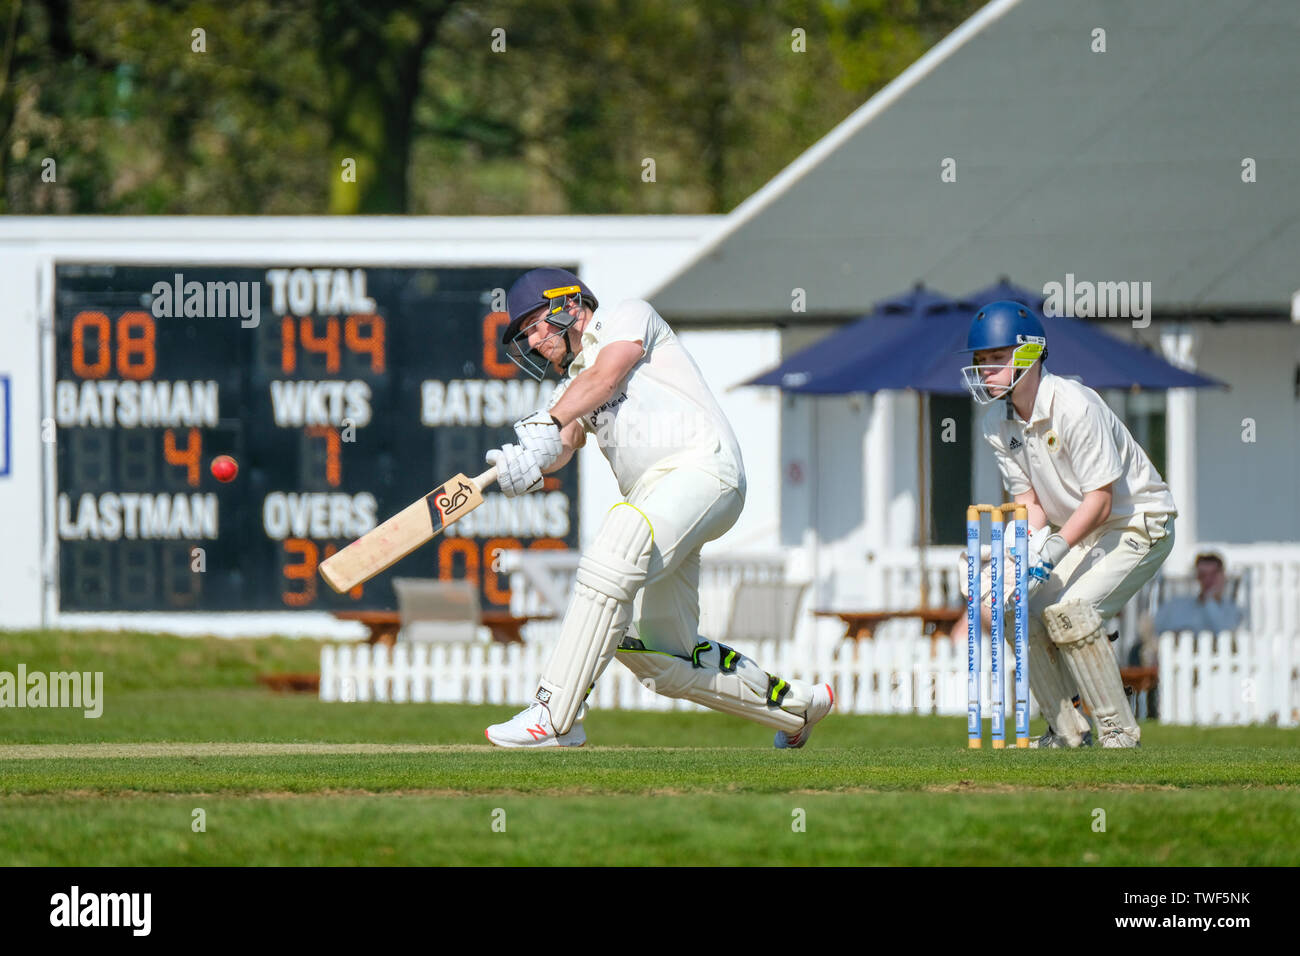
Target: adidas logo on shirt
(1016, 443)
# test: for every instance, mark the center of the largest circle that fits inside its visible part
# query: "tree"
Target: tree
(500, 106)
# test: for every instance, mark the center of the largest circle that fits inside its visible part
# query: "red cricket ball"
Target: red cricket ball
(224, 468)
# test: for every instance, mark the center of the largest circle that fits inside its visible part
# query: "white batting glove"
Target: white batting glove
(517, 471)
(539, 434)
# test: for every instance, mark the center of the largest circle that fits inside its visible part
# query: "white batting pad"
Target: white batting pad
(1077, 630)
(610, 573)
(722, 679)
(1053, 686)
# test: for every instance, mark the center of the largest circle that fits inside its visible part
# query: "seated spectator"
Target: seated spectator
(1210, 610)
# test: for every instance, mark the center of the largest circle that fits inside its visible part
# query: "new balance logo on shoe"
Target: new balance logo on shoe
(537, 732)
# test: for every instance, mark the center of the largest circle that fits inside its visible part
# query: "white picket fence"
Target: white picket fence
(542, 581)
(1204, 679)
(895, 673)
(1270, 597)
(1227, 678)
(1252, 677)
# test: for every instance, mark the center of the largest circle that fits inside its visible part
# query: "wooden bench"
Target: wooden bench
(384, 625)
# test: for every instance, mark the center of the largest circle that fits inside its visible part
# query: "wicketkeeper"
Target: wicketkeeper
(627, 380)
(1104, 519)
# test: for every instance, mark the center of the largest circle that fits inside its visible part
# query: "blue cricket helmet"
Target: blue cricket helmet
(1002, 324)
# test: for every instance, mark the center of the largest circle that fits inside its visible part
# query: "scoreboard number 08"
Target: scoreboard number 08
(135, 354)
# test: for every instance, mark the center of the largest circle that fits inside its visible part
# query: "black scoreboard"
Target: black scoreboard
(343, 394)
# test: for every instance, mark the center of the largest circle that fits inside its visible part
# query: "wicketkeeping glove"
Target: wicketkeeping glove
(539, 434)
(1036, 543)
(1044, 557)
(517, 471)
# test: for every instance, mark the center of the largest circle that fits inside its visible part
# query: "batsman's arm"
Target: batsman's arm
(595, 386)
(574, 437)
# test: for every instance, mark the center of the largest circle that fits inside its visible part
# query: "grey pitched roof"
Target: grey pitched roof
(1122, 165)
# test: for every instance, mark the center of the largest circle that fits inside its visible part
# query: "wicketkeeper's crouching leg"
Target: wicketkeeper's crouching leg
(1078, 632)
(1053, 687)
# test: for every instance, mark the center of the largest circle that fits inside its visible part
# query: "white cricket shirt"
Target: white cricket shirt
(1072, 444)
(663, 415)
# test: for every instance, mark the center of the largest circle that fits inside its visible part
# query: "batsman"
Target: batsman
(1102, 519)
(627, 382)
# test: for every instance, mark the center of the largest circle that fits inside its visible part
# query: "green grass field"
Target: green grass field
(288, 780)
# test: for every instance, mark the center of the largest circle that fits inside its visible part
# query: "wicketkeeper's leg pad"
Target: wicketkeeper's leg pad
(720, 678)
(1078, 632)
(610, 573)
(1053, 686)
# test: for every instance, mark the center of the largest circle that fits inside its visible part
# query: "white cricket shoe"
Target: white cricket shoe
(531, 727)
(1117, 738)
(823, 699)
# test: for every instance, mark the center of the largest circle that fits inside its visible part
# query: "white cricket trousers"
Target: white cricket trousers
(1109, 566)
(686, 508)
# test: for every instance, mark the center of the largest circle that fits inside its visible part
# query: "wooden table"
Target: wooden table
(1141, 679)
(384, 625)
(860, 624)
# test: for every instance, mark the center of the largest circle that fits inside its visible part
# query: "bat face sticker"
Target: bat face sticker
(444, 504)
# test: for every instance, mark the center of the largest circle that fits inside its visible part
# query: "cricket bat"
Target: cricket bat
(386, 544)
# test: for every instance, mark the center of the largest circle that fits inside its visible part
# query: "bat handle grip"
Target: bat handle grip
(487, 478)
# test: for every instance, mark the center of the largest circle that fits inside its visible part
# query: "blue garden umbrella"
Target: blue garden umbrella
(921, 350)
(833, 365)
(1006, 290)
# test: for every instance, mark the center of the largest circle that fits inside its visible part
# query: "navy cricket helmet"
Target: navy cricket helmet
(549, 293)
(543, 287)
